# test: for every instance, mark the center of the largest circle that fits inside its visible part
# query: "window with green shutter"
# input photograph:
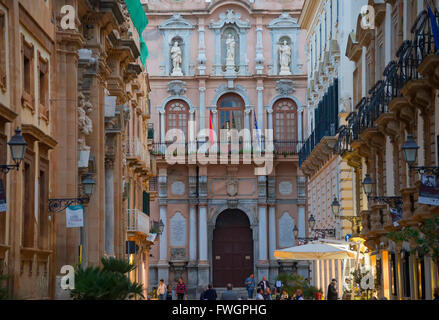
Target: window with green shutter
(146, 202)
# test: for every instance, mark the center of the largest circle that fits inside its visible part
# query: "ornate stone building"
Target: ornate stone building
(329, 99)
(395, 95)
(237, 65)
(80, 95)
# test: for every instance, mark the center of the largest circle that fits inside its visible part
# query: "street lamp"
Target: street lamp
(87, 185)
(60, 204)
(410, 149)
(161, 226)
(367, 185)
(17, 145)
(335, 206)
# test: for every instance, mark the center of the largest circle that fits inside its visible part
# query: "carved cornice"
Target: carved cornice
(36, 134)
(354, 50)
(429, 68)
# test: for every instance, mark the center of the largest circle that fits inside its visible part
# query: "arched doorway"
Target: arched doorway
(232, 249)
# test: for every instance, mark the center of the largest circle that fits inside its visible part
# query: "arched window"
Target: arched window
(177, 115)
(230, 110)
(285, 128)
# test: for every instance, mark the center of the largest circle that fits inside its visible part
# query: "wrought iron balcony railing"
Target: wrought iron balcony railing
(397, 74)
(280, 147)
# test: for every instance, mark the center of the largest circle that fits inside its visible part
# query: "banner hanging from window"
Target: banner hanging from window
(75, 216)
(429, 190)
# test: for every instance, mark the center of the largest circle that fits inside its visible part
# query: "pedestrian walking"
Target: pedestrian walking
(162, 290)
(332, 290)
(436, 293)
(250, 284)
(210, 293)
(347, 289)
(181, 289)
(259, 295)
(264, 284)
(278, 285)
(230, 294)
(169, 293)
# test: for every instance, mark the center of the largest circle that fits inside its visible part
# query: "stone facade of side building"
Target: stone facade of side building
(329, 98)
(80, 96)
(395, 95)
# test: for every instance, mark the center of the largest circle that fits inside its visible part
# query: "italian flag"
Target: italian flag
(140, 21)
(211, 139)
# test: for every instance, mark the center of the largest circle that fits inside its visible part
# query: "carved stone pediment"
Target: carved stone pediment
(176, 22)
(283, 21)
(177, 87)
(285, 87)
(229, 17)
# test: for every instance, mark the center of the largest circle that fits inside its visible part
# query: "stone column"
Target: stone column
(203, 263)
(301, 224)
(192, 232)
(162, 129)
(164, 235)
(270, 119)
(272, 230)
(202, 107)
(259, 49)
(299, 127)
(247, 126)
(201, 48)
(109, 206)
(260, 114)
(203, 233)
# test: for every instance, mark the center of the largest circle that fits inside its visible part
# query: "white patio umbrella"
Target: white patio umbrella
(315, 251)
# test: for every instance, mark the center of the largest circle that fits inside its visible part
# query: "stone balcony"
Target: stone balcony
(138, 222)
(137, 155)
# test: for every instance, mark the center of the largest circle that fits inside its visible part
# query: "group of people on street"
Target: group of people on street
(164, 291)
(264, 290)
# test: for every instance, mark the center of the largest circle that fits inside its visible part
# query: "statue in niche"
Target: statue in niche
(176, 60)
(85, 123)
(230, 56)
(285, 59)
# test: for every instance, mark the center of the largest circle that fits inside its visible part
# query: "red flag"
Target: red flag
(211, 139)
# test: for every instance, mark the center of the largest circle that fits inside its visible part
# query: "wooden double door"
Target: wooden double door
(232, 249)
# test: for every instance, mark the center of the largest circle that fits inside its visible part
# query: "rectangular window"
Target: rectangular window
(28, 74)
(43, 84)
(3, 82)
(28, 203)
(43, 219)
(146, 209)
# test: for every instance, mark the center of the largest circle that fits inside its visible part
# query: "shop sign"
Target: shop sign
(429, 190)
(75, 216)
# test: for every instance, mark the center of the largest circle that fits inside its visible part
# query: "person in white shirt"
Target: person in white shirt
(161, 290)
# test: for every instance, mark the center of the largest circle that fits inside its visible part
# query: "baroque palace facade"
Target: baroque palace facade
(394, 96)
(79, 94)
(237, 65)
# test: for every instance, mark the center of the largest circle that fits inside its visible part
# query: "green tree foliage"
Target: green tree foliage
(292, 282)
(107, 283)
(3, 288)
(426, 238)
